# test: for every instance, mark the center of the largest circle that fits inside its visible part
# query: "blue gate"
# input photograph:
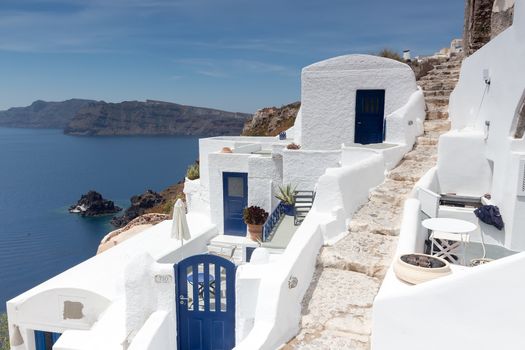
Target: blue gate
(369, 116)
(235, 199)
(205, 303)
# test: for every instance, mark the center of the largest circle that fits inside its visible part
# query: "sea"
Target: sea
(43, 172)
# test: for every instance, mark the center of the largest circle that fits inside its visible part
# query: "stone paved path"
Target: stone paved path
(337, 308)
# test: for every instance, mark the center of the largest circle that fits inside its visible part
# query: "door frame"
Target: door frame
(207, 315)
(225, 202)
(368, 140)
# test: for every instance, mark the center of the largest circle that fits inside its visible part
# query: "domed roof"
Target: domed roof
(355, 62)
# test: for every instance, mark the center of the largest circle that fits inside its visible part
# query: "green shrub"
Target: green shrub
(388, 53)
(4, 333)
(193, 172)
(286, 194)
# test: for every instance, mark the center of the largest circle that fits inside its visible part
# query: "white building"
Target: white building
(478, 307)
(360, 114)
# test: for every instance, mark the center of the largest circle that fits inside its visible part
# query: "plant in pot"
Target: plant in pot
(255, 217)
(417, 268)
(286, 196)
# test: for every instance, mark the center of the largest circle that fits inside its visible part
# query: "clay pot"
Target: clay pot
(255, 232)
(418, 268)
(226, 150)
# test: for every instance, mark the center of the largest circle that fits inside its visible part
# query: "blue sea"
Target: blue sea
(43, 172)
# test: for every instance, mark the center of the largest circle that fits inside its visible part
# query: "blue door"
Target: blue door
(369, 116)
(45, 340)
(205, 303)
(235, 199)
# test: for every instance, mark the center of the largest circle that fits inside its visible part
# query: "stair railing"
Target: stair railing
(272, 221)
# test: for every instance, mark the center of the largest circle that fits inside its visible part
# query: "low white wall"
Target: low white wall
(348, 187)
(477, 308)
(405, 124)
(278, 306)
(155, 333)
(302, 168)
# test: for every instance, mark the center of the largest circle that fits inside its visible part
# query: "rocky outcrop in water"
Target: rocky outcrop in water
(93, 204)
(153, 118)
(139, 206)
(272, 120)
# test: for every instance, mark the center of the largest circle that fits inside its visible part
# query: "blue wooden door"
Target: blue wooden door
(45, 340)
(369, 116)
(235, 199)
(205, 303)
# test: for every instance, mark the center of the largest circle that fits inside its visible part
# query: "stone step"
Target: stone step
(333, 292)
(436, 101)
(381, 218)
(433, 115)
(443, 73)
(445, 93)
(436, 78)
(427, 140)
(441, 125)
(394, 192)
(410, 170)
(422, 153)
(362, 252)
(437, 86)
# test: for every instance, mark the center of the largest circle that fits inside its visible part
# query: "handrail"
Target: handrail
(272, 220)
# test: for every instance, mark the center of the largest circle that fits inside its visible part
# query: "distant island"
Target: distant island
(98, 118)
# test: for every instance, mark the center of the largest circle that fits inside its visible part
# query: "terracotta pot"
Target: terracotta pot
(255, 232)
(226, 150)
(407, 269)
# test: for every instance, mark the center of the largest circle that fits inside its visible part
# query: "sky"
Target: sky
(237, 55)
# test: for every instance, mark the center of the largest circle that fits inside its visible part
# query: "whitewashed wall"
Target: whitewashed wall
(462, 167)
(478, 308)
(473, 103)
(302, 168)
(328, 93)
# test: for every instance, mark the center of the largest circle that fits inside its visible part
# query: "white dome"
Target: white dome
(355, 62)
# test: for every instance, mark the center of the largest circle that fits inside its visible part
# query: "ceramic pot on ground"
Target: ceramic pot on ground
(288, 209)
(255, 232)
(417, 268)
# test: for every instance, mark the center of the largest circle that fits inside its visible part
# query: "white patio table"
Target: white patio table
(448, 229)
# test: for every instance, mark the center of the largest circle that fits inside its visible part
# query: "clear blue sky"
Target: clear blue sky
(237, 55)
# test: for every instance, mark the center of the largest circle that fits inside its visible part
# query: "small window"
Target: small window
(235, 187)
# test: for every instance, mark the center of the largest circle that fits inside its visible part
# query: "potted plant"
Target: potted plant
(255, 217)
(286, 196)
(417, 268)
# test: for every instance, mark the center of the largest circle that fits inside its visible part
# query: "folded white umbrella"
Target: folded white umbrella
(179, 228)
